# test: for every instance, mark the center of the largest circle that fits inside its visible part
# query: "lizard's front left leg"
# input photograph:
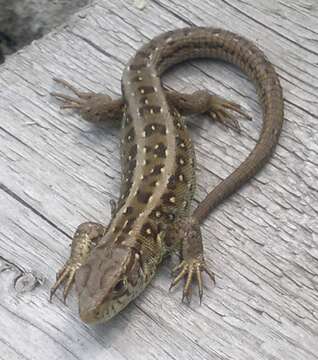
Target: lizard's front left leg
(203, 102)
(186, 235)
(86, 236)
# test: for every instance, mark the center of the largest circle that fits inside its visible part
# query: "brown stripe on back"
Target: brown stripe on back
(156, 170)
(149, 110)
(155, 129)
(146, 90)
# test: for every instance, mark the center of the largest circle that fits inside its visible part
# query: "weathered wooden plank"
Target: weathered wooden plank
(57, 171)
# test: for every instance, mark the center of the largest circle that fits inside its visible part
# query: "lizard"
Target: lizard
(111, 265)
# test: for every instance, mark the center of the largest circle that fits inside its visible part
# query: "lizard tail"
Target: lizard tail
(190, 43)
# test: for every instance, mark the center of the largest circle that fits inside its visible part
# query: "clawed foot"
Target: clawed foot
(221, 112)
(70, 102)
(191, 269)
(92, 106)
(65, 275)
(86, 237)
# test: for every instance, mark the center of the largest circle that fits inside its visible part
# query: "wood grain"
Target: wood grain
(57, 171)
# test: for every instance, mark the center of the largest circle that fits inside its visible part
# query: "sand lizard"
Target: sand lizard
(112, 265)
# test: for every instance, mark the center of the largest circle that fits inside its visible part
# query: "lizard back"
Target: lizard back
(157, 164)
(156, 150)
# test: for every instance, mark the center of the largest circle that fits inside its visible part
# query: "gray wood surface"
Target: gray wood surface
(57, 171)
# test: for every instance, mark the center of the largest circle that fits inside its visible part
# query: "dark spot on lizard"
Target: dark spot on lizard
(133, 151)
(132, 164)
(169, 199)
(154, 128)
(129, 210)
(128, 225)
(130, 137)
(143, 196)
(156, 213)
(172, 183)
(147, 230)
(145, 90)
(160, 150)
(181, 160)
(157, 169)
(149, 110)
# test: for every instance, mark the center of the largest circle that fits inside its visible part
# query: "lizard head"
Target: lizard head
(110, 279)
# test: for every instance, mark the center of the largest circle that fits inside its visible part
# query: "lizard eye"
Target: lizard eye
(120, 286)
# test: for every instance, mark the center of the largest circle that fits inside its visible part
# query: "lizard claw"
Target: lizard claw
(190, 269)
(79, 94)
(90, 105)
(220, 111)
(65, 275)
(70, 102)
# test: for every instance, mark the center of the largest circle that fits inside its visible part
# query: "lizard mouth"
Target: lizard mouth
(93, 315)
(88, 317)
(89, 310)
(93, 312)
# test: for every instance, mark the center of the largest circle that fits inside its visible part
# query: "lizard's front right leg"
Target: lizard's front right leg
(85, 238)
(92, 106)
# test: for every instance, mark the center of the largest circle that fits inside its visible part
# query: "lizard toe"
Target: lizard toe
(65, 275)
(222, 110)
(190, 270)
